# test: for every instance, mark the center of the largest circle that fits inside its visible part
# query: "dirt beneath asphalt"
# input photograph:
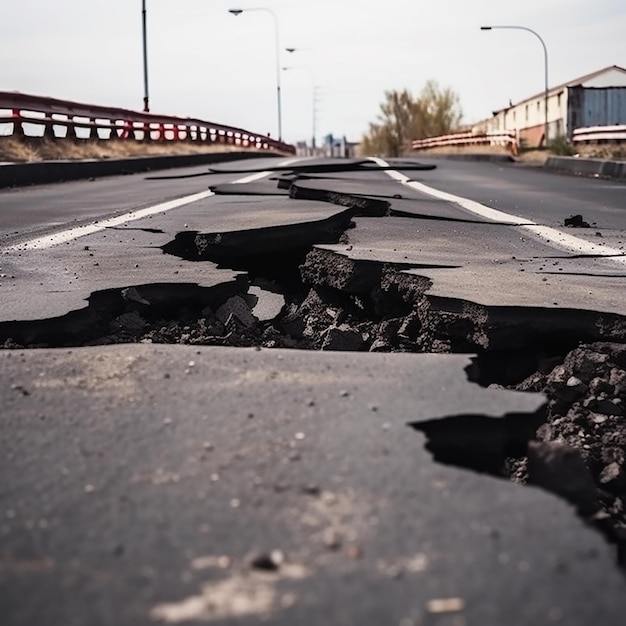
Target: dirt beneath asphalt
(580, 450)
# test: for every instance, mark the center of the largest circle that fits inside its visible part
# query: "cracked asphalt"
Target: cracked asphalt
(307, 392)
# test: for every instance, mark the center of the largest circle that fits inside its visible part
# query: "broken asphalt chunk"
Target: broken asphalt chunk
(343, 338)
(560, 469)
(576, 221)
(237, 307)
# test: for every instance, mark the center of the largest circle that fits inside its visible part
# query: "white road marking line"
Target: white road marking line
(252, 178)
(259, 175)
(65, 236)
(551, 236)
(88, 229)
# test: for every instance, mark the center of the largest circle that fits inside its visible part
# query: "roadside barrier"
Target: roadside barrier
(24, 115)
(596, 168)
(507, 140)
(600, 134)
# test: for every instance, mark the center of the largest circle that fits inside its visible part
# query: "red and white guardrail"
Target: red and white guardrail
(26, 115)
(594, 134)
(506, 139)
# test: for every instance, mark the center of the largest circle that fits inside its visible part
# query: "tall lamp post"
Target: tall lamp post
(146, 102)
(277, 41)
(545, 58)
(313, 89)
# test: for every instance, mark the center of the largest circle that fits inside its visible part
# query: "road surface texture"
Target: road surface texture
(314, 392)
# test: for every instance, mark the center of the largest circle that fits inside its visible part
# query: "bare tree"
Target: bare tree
(404, 117)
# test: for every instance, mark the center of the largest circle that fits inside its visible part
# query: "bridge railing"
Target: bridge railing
(507, 140)
(600, 134)
(25, 115)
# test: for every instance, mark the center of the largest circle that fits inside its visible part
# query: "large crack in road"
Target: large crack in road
(295, 293)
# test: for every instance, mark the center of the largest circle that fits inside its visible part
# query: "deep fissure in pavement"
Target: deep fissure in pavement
(295, 295)
(322, 300)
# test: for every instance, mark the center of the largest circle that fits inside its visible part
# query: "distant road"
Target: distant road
(43, 207)
(530, 192)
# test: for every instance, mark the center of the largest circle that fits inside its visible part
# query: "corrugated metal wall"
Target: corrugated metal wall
(593, 106)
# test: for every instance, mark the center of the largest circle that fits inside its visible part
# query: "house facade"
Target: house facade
(596, 99)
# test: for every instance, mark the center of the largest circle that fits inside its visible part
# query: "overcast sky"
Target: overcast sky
(206, 63)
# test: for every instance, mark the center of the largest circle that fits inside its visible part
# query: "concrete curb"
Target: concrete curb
(599, 168)
(21, 174)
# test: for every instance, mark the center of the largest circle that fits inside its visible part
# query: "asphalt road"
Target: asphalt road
(44, 208)
(243, 478)
(533, 192)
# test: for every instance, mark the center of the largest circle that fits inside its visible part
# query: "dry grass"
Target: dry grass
(464, 150)
(30, 149)
(537, 157)
(608, 151)
(533, 156)
(590, 152)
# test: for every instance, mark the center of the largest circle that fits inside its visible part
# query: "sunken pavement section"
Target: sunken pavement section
(424, 364)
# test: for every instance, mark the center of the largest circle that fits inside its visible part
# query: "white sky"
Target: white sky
(206, 63)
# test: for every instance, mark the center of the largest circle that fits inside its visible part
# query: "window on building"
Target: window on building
(526, 112)
(538, 106)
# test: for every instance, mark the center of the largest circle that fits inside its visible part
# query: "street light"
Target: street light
(545, 58)
(237, 12)
(146, 104)
(313, 90)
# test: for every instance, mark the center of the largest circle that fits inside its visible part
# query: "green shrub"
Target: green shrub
(561, 146)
